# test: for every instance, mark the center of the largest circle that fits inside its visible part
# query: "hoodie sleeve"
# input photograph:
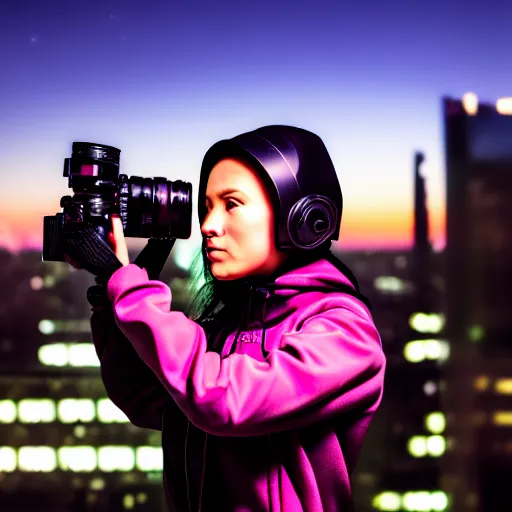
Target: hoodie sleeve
(333, 365)
(129, 383)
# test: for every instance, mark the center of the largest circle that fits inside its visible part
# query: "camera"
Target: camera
(148, 207)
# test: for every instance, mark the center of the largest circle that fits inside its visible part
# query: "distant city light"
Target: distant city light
(470, 103)
(387, 501)
(97, 484)
(149, 458)
(8, 460)
(66, 410)
(78, 355)
(503, 386)
(79, 431)
(141, 498)
(436, 445)
(421, 446)
(83, 459)
(116, 458)
(55, 354)
(36, 283)
(46, 326)
(435, 422)
(504, 106)
(73, 410)
(429, 388)
(83, 355)
(37, 458)
(411, 501)
(425, 501)
(431, 323)
(36, 410)
(502, 418)
(77, 458)
(390, 284)
(417, 351)
(49, 281)
(128, 501)
(7, 411)
(417, 446)
(481, 383)
(476, 333)
(108, 412)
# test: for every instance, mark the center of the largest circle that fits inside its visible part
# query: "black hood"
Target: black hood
(295, 163)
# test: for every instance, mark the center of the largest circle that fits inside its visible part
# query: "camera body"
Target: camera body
(148, 207)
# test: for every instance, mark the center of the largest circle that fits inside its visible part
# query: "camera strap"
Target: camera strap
(154, 255)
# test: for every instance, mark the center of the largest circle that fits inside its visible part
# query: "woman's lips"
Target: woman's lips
(214, 254)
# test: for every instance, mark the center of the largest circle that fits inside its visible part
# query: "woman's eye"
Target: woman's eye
(230, 204)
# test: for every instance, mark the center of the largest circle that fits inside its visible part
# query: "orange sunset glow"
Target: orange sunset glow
(377, 229)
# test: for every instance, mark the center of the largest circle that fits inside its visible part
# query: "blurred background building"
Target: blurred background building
(478, 376)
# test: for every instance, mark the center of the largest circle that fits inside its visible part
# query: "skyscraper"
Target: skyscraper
(478, 376)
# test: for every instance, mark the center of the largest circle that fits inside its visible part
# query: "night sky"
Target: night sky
(163, 81)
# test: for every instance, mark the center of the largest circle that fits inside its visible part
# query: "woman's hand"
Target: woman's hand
(117, 241)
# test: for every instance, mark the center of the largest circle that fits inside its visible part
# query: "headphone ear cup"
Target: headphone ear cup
(312, 221)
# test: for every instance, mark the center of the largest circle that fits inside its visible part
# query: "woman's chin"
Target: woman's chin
(222, 272)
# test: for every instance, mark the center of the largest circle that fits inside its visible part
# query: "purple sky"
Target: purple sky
(165, 80)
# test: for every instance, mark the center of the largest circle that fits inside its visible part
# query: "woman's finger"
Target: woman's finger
(119, 245)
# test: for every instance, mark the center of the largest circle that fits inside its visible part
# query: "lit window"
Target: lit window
(7, 411)
(83, 354)
(77, 458)
(417, 446)
(149, 458)
(37, 458)
(502, 418)
(36, 410)
(7, 459)
(73, 410)
(481, 383)
(390, 284)
(417, 501)
(436, 445)
(427, 323)
(503, 386)
(387, 501)
(435, 422)
(54, 354)
(108, 412)
(116, 458)
(46, 326)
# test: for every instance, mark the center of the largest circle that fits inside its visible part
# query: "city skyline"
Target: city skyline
(165, 83)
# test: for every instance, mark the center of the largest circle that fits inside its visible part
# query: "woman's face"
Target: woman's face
(239, 224)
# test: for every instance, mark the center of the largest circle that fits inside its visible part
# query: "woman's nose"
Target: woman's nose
(212, 225)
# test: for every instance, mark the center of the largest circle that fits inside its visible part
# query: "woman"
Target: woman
(265, 396)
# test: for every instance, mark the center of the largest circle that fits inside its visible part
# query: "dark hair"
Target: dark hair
(216, 295)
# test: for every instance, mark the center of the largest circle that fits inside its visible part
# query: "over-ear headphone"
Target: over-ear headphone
(312, 221)
(299, 173)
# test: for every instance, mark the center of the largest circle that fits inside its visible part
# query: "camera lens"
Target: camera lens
(155, 207)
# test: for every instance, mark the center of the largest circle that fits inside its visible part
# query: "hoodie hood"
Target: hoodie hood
(295, 165)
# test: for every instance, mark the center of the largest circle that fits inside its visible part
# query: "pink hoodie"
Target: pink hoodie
(248, 425)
